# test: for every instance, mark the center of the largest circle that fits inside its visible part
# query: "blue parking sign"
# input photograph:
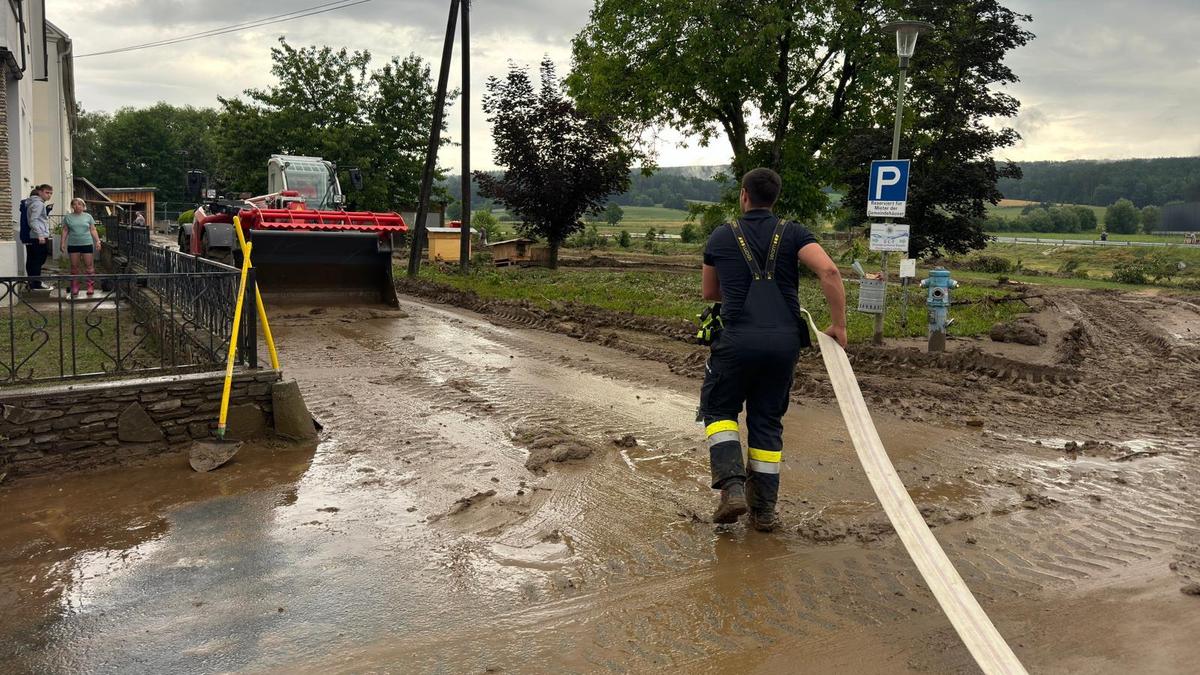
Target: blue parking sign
(887, 191)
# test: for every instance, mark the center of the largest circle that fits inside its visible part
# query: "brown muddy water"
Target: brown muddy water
(415, 538)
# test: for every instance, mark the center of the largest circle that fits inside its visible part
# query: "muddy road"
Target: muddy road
(526, 491)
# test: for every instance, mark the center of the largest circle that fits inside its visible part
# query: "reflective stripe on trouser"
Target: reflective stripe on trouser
(724, 451)
(763, 480)
(765, 461)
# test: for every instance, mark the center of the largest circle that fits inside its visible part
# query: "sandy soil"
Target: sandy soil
(476, 504)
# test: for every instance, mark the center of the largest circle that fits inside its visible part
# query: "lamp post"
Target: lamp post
(906, 43)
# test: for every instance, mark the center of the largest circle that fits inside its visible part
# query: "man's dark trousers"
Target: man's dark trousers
(35, 257)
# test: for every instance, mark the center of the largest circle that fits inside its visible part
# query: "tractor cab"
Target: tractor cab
(310, 180)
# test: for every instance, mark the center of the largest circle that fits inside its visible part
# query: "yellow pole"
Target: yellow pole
(258, 301)
(233, 338)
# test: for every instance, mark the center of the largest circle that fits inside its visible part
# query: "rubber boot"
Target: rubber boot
(761, 492)
(91, 287)
(733, 503)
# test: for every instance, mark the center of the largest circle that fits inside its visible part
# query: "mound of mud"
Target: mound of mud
(1074, 345)
(551, 446)
(1021, 331)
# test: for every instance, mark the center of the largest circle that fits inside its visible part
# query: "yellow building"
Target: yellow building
(444, 243)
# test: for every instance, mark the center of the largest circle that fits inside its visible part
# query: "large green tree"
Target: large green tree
(807, 88)
(950, 129)
(153, 147)
(329, 103)
(780, 79)
(559, 163)
(1122, 217)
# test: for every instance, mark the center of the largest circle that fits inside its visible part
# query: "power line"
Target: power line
(233, 28)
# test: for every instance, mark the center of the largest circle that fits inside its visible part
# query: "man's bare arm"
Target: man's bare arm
(816, 259)
(710, 286)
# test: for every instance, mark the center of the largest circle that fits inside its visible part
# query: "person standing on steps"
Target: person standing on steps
(35, 234)
(81, 241)
(750, 268)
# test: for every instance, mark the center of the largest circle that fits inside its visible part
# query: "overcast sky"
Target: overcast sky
(1104, 79)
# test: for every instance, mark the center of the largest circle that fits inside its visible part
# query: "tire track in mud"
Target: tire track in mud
(1018, 553)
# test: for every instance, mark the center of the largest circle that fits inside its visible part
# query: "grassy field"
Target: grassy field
(1098, 263)
(677, 295)
(1012, 212)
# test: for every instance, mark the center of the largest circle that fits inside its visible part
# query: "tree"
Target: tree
(484, 220)
(799, 71)
(1087, 218)
(154, 147)
(1151, 217)
(710, 216)
(624, 240)
(560, 163)
(792, 82)
(1121, 217)
(613, 213)
(328, 103)
(1064, 219)
(957, 77)
(674, 201)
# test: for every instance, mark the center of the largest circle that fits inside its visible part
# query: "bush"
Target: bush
(1087, 218)
(1151, 217)
(484, 220)
(624, 240)
(1129, 273)
(1122, 217)
(991, 264)
(688, 234)
(186, 217)
(651, 234)
(587, 238)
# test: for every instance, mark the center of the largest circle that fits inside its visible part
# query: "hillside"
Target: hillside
(1100, 183)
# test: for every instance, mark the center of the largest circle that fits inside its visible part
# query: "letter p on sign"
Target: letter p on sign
(888, 176)
(887, 193)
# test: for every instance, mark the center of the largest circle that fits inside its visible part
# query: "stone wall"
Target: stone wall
(67, 427)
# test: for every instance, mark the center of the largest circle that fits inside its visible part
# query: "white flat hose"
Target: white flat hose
(982, 639)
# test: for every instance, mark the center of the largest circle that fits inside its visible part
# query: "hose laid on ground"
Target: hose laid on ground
(982, 639)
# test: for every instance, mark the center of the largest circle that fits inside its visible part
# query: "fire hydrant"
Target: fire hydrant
(937, 302)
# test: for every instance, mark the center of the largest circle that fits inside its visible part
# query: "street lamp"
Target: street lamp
(906, 44)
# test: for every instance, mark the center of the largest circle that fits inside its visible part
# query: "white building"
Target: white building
(37, 115)
(54, 115)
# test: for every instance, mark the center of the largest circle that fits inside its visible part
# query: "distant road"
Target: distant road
(1082, 242)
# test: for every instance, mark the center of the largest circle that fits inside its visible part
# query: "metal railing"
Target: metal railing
(162, 311)
(133, 324)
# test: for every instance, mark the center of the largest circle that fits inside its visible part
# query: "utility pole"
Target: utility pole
(464, 249)
(435, 140)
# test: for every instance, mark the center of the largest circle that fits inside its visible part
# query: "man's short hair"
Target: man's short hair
(762, 186)
(43, 186)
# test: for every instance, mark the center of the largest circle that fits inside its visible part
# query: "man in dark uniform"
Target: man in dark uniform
(750, 267)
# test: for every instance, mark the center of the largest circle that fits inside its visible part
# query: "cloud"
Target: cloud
(1103, 79)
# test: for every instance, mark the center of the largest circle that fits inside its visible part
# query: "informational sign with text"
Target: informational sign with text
(887, 191)
(889, 237)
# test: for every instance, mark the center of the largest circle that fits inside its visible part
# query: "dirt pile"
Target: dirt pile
(551, 445)
(1021, 331)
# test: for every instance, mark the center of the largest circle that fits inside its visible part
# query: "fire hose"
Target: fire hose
(974, 627)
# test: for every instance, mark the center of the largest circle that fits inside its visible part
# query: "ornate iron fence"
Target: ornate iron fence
(133, 323)
(176, 315)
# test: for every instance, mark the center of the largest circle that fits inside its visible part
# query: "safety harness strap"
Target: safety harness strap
(772, 253)
(755, 271)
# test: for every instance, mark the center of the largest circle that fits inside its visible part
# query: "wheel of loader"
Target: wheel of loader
(185, 242)
(221, 255)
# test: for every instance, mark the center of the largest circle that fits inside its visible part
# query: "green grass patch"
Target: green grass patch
(1092, 236)
(676, 295)
(43, 346)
